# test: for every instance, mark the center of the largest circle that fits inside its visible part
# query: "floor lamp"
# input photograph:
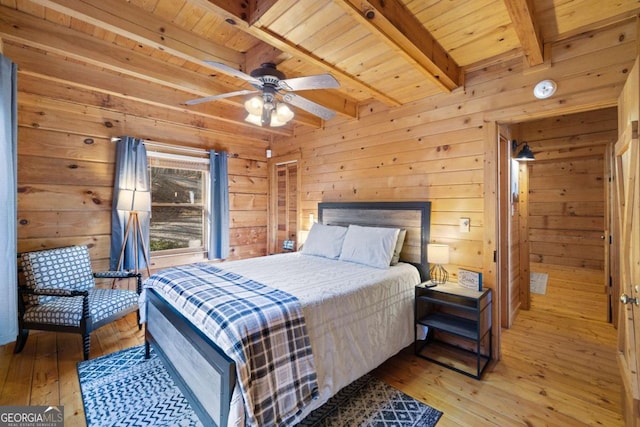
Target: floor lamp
(134, 201)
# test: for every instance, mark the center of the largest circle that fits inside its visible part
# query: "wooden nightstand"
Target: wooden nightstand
(458, 323)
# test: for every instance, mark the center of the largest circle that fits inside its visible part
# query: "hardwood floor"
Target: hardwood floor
(558, 369)
(558, 366)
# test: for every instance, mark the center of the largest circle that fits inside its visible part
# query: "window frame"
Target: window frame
(200, 162)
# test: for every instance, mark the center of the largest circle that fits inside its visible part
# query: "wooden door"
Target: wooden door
(627, 212)
(284, 205)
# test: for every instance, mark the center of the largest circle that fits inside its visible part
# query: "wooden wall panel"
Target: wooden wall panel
(66, 168)
(442, 148)
(432, 149)
(567, 194)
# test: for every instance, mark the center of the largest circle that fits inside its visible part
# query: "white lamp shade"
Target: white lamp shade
(254, 106)
(275, 121)
(284, 113)
(437, 254)
(253, 119)
(132, 200)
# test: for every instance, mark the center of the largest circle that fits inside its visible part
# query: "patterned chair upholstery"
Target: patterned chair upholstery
(60, 295)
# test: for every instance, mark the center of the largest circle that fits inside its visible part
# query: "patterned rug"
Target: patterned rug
(124, 389)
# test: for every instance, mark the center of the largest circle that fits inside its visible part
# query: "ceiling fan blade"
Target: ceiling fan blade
(235, 73)
(221, 96)
(310, 106)
(320, 81)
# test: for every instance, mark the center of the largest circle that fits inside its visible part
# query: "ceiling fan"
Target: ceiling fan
(266, 109)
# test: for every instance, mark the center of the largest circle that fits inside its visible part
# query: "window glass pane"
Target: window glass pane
(177, 208)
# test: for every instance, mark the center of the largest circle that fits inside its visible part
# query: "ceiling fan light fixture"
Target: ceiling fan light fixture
(254, 105)
(267, 113)
(284, 113)
(275, 121)
(254, 119)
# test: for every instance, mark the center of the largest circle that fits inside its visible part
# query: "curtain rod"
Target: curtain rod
(169, 146)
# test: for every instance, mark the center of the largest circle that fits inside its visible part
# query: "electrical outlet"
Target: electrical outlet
(465, 225)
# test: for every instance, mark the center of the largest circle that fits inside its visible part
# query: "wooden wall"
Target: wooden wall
(567, 188)
(435, 149)
(66, 162)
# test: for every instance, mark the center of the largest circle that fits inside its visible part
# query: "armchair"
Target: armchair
(60, 295)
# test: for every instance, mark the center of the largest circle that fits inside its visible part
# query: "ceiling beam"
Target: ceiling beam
(327, 98)
(116, 86)
(525, 25)
(136, 24)
(393, 23)
(23, 28)
(262, 53)
(258, 9)
(257, 28)
(308, 57)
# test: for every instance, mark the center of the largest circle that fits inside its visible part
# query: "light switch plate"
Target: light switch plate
(465, 225)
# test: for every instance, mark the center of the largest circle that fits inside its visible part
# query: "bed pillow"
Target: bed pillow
(398, 248)
(324, 240)
(372, 246)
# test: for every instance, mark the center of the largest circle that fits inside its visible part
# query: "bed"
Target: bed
(361, 313)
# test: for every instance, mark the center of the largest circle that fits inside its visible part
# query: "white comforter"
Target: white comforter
(356, 316)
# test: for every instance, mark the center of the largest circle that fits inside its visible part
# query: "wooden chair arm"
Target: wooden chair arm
(121, 275)
(115, 274)
(52, 292)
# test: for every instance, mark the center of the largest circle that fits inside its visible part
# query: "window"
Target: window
(179, 203)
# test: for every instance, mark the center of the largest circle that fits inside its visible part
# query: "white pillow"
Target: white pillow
(372, 246)
(399, 245)
(324, 240)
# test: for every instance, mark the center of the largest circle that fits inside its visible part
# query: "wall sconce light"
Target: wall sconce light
(525, 155)
(437, 255)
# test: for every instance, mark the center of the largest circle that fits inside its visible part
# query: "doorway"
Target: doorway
(557, 230)
(284, 204)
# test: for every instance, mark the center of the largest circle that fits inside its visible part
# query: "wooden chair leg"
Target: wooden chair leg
(21, 340)
(86, 344)
(147, 349)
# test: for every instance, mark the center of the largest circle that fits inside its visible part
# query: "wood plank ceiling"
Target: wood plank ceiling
(393, 51)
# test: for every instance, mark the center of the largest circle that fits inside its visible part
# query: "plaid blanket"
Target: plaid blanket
(262, 329)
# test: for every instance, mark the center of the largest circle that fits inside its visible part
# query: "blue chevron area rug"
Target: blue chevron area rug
(124, 389)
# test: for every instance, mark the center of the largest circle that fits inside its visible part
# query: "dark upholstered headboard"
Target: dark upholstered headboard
(415, 217)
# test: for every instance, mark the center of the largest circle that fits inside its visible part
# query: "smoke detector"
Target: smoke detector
(544, 89)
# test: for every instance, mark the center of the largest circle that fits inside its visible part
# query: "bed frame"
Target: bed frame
(204, 374)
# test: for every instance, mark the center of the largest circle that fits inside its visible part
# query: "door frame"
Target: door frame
(272, 208)
(504, 224)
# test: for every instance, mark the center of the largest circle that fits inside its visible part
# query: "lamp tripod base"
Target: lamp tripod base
(133, 226)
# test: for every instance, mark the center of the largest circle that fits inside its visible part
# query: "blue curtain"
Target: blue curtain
(219, 208)
(8, 199)
(131, 174)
